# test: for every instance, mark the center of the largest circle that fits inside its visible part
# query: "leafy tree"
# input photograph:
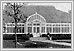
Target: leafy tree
(13, 10)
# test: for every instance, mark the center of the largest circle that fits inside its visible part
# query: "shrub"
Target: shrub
(61, 36)
(8, 37)
(23, 37)
(31, 35)
(44, 35)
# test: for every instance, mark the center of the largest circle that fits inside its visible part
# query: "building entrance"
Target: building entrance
(36, 31)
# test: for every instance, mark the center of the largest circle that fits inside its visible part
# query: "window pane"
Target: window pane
(19, 30)
(69, 29)
(43, 30)
(56, 29)
(38, 30)
(29, 29)
(8, 30)
(22, 29)
(4, 29)
(65, 29)
(34, 29)
(49, 29)
(11, 29)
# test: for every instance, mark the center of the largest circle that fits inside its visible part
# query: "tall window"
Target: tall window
(56, 29)
(34, 29)
(49, 29)
(65, 29)
(29, 29)
(10, 29)
(22, 29)
(19, 30)
(38, 30)
(43, 29)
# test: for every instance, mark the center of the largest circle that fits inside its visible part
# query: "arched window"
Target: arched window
(36, 16)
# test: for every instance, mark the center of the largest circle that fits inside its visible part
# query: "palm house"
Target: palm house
(37, 25)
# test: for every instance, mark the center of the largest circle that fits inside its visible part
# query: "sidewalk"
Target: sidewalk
(53, 42)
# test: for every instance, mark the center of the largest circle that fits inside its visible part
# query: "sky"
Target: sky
(60, 6)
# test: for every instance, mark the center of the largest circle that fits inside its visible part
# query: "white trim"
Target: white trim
(13, 33)
(14, 23)
(41, 1)
(42, 33)
(46, 23)
(34, 15)
(60, 33)
(14, 26)
(59, 23)
(37, 20)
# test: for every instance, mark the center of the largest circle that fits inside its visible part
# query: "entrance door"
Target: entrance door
(36, 31)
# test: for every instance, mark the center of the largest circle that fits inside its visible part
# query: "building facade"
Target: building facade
(36, 24)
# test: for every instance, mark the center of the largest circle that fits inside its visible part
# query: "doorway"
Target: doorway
(36, 31)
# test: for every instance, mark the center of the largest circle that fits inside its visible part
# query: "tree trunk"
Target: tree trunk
(15, 33)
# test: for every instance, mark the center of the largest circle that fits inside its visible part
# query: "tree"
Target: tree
(13, 10)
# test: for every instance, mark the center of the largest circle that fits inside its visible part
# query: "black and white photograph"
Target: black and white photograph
(36, 24)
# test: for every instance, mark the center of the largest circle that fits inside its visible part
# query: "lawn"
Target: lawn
(24, 42)
(31, 44)
(8, 44)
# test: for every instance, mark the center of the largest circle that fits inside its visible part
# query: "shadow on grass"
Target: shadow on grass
(31, 44)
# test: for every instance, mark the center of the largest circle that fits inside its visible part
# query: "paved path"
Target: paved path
(53, 42)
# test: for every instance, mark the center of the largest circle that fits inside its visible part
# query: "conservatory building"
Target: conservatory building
(36, 24)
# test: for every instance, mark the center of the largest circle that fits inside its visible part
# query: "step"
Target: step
(38, 38)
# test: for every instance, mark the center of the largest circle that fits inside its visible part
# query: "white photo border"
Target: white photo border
(37, 48)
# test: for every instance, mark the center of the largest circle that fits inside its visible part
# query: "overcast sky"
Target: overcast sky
(60, 6)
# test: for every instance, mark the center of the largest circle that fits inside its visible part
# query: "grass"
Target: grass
(44, 45)
(31, 44)
(8, 42)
